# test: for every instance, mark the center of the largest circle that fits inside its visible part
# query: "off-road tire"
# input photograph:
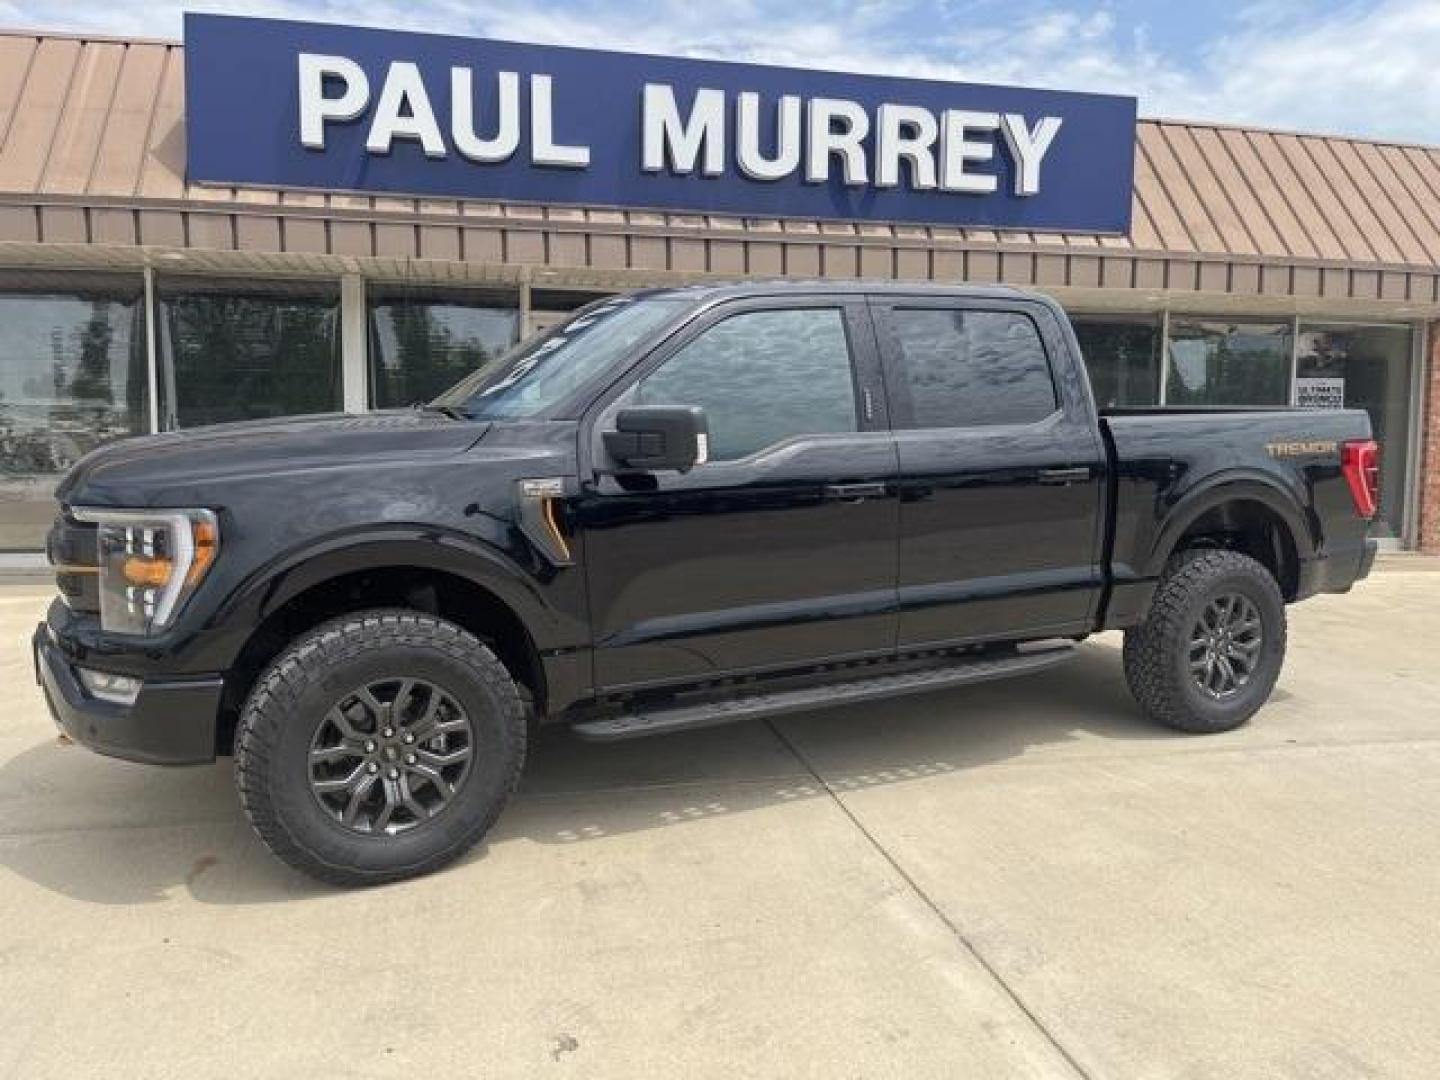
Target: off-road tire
(273, 739)
(1157, 656)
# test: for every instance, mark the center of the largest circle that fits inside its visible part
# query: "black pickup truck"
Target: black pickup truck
(679, 508)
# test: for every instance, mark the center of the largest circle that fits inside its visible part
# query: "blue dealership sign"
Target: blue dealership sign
(303, 105)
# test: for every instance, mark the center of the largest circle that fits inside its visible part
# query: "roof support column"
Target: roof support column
(354, 370)
(152, 352)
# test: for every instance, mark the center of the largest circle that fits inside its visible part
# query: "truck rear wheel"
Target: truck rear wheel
(1208, 654)
(379, 746)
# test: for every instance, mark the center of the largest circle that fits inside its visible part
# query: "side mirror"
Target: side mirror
(654, 440)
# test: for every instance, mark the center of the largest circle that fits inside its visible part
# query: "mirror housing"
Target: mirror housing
(657, 439)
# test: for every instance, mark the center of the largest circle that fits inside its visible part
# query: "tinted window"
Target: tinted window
(72, 375)
(422, 342)
(237, 350)
(762, 377)
(1220, 363)
(543, 371)
(1122, 357)
(971, 368)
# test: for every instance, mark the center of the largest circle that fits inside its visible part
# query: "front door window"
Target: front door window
(762, 377)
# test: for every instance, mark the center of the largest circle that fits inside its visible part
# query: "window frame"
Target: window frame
(884, 310)
(872, 412)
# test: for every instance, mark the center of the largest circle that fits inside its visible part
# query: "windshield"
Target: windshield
(540, 373)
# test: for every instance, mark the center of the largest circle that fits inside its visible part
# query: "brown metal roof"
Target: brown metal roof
(92, 151)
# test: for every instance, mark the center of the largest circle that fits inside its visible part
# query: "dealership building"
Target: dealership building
(1256, 268)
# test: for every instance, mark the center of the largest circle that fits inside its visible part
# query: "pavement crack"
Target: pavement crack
(960, 936)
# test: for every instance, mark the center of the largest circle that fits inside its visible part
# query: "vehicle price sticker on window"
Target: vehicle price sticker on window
(1320, 393)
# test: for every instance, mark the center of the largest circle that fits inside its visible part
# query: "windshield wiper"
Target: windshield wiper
(446, 410)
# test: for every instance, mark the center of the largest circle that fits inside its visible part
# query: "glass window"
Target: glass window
(971, 368)
(72, 376)
(1364, 367)
(243, 350)
(761, 377)
(545, 370)
(424, 341)
(1216, 363)
(1122, 356)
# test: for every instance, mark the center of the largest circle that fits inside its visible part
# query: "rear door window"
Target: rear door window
(963, 367)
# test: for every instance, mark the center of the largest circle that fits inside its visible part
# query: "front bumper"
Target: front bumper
(170, 723)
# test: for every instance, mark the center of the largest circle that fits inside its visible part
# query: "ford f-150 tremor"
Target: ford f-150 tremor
(678, 508)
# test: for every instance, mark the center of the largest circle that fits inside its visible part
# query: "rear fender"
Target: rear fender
(1229, 487)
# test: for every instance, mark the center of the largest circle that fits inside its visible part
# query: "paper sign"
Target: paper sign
(1320, 393)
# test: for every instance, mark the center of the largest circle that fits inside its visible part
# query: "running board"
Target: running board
(658, 721)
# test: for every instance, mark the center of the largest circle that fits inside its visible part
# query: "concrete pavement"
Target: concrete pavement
(1021, 879)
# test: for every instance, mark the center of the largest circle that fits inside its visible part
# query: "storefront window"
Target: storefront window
(422, 342)
(1220, 363)
(234, 350)
(1122, 355)
(1364, 367)
(72, 376)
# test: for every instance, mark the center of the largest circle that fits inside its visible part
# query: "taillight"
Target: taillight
(1360, 461)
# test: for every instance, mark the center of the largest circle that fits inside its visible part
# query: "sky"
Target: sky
(1350, 67)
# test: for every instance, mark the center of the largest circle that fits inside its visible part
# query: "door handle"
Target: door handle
(1076, 475)
(854, 492)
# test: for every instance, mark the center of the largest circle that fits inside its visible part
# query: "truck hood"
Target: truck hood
(147, 470)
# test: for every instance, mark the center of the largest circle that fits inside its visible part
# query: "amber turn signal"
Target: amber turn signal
(207, 544)
(148, 573)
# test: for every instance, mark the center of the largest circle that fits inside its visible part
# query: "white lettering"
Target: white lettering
(956, 150)
(316, 108)
(906, 132)
(1028, 148)
(507, 117)
(752, 162)
(404, 112)
(668, 142)
(544, 150)
(844, 143)
(912, 145)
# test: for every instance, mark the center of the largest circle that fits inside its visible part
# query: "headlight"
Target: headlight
(150, 563)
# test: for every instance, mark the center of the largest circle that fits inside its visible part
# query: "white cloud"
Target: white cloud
(1369, 69)
(1360, 69)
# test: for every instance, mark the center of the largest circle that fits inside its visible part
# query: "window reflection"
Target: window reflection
(424, 341)
(1364, 367)
(762, 377)
(1224, 364)
(1122, 356)
(72, 376)
(971, 368)
(234, 350)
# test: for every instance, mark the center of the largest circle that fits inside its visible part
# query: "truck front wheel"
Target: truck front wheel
(1208, 653)
(379, 746)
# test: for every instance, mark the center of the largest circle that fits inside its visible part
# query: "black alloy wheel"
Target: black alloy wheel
(391, 755)
(1225, 645)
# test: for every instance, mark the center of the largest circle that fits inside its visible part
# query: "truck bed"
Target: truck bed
(1287, 460)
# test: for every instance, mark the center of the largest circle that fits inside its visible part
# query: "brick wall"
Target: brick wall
(1430, 452)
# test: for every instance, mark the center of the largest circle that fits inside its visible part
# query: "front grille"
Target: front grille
(73, 550)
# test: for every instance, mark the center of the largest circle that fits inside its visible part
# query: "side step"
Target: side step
(876, 688)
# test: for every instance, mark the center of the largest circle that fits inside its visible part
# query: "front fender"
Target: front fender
(428, 547)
